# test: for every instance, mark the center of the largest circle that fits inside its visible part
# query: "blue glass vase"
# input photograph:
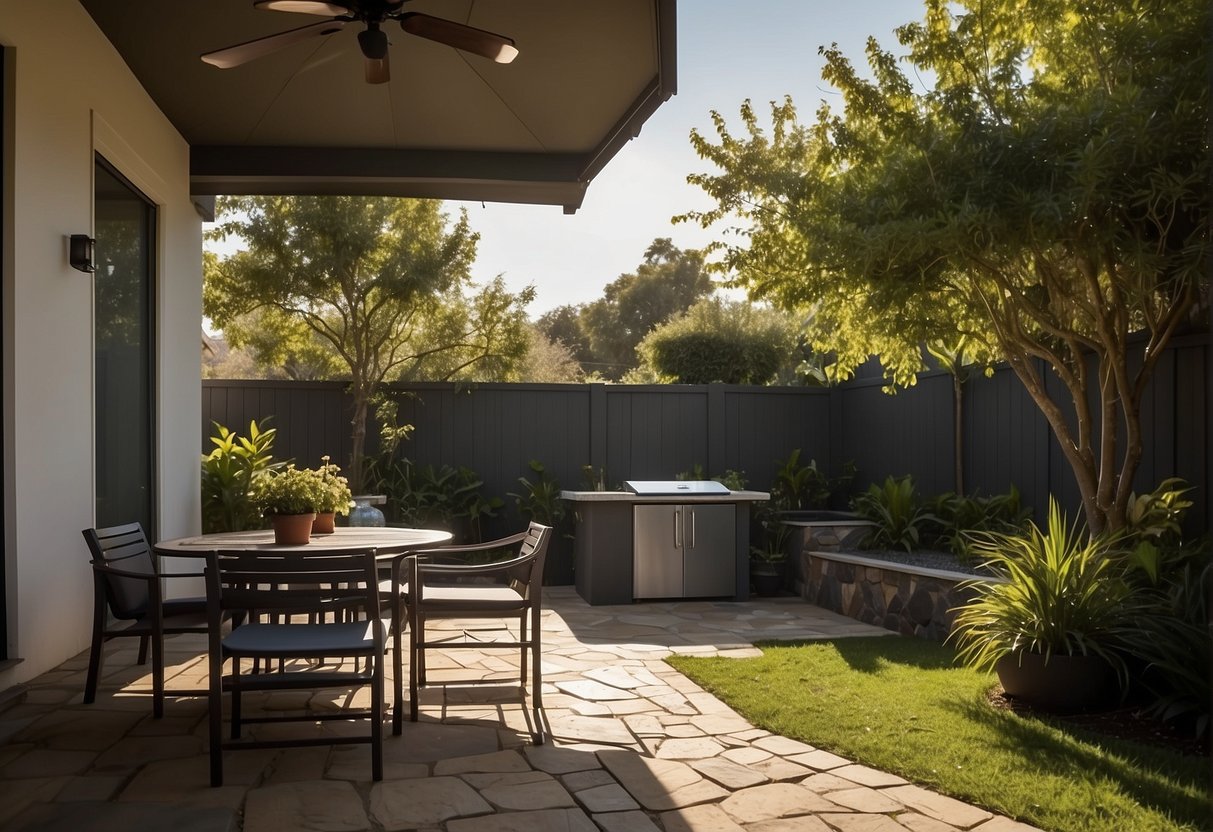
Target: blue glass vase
(364, 512)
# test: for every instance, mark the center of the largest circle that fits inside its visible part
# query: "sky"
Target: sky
(727, 52)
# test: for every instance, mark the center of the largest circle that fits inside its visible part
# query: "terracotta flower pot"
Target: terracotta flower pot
(323, 524)
(292, 529)
(1063, 684)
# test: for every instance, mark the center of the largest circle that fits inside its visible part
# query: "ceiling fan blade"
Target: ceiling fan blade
(244, 52)
(470, 39)
(303, 7)
(377, 70)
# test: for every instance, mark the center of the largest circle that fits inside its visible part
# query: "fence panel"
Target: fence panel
(656, 432)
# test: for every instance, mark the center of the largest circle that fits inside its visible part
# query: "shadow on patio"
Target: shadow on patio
(636, 746)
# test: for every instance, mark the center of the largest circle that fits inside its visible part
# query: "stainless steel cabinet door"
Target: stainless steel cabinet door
(709, 566)
(657, 558)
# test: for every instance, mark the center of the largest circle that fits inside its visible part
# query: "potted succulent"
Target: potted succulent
(1052, 625)
(289, 498)
(336, 497)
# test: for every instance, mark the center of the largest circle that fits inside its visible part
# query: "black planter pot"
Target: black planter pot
(765, 582)
(1061, 684)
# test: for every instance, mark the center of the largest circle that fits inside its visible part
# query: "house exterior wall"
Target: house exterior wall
(67, 95)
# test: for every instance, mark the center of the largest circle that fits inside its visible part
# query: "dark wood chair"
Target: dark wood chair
(294, 595)
(437, 587)
(127, 587)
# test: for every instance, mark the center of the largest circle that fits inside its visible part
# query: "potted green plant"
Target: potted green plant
(1053, 624)
(337, 497)
(540, 501)
(289, 498)
(768, 560)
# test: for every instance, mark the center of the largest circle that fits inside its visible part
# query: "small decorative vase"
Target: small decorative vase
(323, 524)
(364, 512)
(292, 529)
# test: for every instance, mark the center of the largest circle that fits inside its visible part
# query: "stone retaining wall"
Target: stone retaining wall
(906, 599)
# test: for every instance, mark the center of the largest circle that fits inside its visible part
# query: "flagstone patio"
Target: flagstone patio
(636, 746)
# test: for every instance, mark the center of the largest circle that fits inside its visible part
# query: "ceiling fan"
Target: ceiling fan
(372, 40)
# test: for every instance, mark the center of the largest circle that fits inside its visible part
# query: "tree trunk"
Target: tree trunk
(358, 439)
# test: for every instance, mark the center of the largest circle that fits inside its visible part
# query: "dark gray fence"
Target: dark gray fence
(632, 432)
(656, 432)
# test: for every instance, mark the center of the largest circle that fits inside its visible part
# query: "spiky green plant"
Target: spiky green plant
(1062, 591)
(897, 512)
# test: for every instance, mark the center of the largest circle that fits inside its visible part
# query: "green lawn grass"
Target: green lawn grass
(901, 705)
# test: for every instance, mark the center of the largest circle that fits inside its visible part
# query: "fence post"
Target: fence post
(597, 427)
(717, 430)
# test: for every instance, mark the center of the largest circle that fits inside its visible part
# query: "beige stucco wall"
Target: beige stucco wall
(68, 94)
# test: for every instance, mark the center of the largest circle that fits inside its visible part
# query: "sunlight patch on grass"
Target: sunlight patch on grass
(903, 706)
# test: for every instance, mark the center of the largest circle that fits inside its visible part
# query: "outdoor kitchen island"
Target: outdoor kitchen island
(676, 539)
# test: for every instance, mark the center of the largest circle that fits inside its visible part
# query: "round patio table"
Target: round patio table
(388, 542)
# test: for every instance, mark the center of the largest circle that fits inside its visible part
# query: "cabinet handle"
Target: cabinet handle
(677, 529)
(692, 542)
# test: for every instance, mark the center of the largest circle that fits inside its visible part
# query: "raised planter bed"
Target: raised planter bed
(908, 599)
(818, 530)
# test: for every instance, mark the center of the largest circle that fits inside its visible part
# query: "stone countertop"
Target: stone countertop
(629, 497)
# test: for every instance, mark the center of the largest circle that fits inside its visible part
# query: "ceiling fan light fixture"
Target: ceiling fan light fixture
(376, 71)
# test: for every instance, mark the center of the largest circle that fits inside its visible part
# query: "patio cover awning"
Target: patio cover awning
(448, 125)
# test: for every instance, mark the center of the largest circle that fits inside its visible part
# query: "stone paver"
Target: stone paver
(856, 822)
(660, 784)
(549, 820)
(820, 760)
(521, 790)
(863, 799)
(865, 776)
(634, 746)
(774, 800)
(595, 729)
(708, 818)
(806, 823)
(611, 797)
(731, 775)
(625, 822)
(937, 806)
(410, 804)
(594, 691)
(317, 806)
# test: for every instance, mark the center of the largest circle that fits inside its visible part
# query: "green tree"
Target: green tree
(563, 325)
(382, 282)
(1046, 199)
(720, 341)
(607, 330)
(547, 361)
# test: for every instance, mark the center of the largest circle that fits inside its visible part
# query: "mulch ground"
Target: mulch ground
(1125, 723)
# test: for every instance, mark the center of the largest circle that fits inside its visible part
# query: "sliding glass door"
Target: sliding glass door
(124, 223)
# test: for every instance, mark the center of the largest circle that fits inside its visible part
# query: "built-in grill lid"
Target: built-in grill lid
(673, 488)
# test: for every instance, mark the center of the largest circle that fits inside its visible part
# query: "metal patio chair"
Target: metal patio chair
(431, 587)
(127, 585)
(289, 589)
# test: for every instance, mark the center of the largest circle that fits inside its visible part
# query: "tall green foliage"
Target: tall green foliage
(227, 473)
(719, 341)
(1045, 199)
(1063, 592)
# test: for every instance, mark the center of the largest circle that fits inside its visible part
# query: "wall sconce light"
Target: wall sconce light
(80, 252)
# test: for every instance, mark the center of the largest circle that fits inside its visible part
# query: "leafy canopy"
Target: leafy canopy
(383, 284)
(1045, 199)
